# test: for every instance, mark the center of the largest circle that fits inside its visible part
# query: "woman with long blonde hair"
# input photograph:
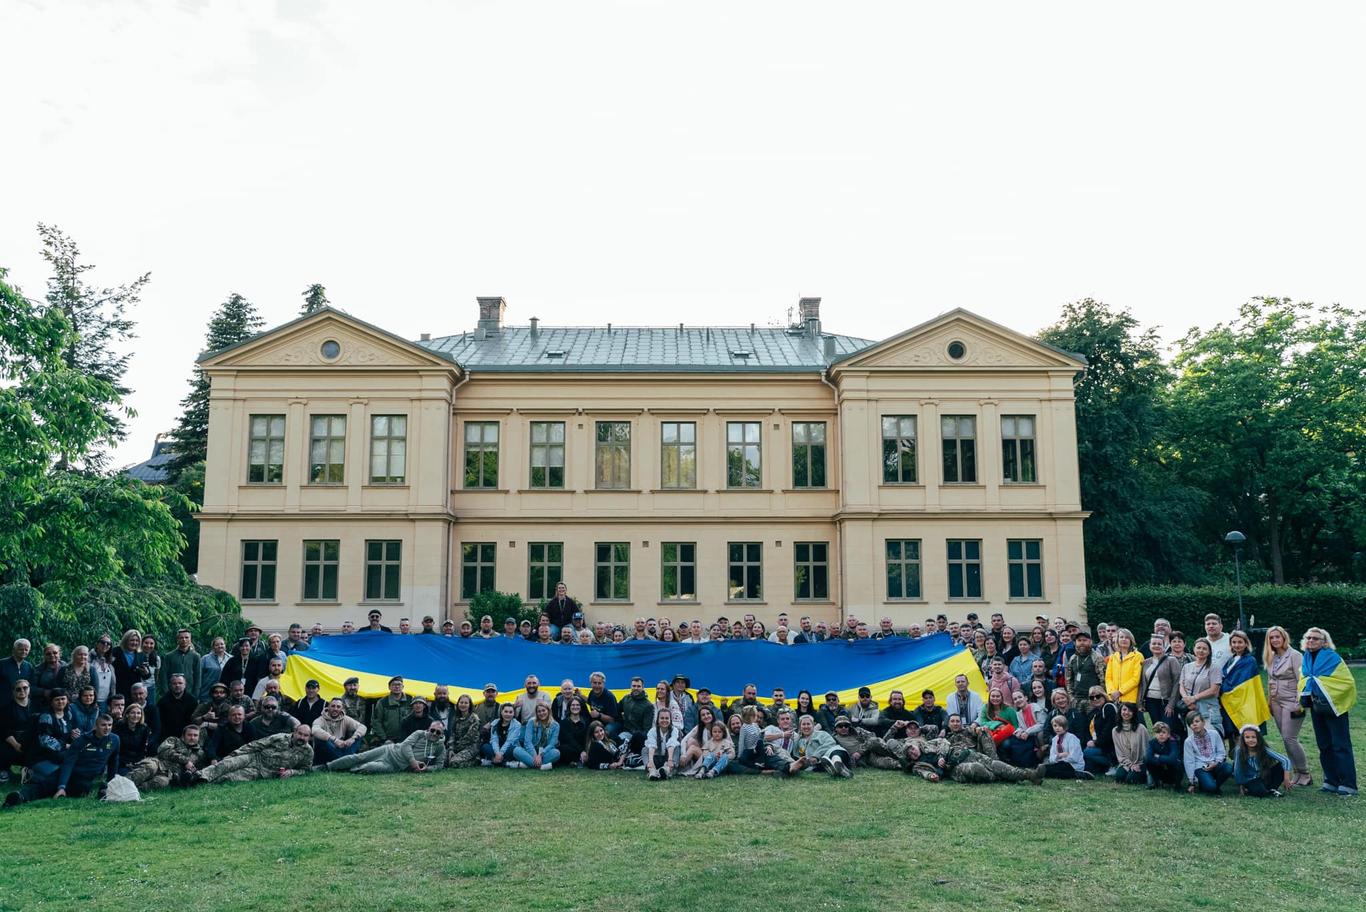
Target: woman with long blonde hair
(1282, 662)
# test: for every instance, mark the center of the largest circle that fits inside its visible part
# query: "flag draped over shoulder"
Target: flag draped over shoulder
(466, 665)
(1242, 695)
(1325, 675)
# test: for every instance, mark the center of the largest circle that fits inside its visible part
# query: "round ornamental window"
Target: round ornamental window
(331, 350)
(957, 350)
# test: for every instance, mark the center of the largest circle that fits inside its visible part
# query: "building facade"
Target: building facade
(692, 472)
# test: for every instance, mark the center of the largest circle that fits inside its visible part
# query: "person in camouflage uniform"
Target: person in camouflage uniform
(863, 746)
(971, 737)
(463, 735)
(893, 753)
(935, 759)
(423, 750)
(176, 762)
(273, 757)
(357, 707)
(488, 708)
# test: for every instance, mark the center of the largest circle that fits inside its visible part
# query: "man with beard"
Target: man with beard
(602, 704)
(387, 715)
(176, 707)
(176, 762)
(423, 750)
(937, 759)
(526, 702)
(273, 757)
(270, 720)
(357, 707)
(335, 734)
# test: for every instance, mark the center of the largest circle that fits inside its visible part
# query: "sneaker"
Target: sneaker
(486, 762)
(4, 775)
(654, 774)
(513, 765)
(711, 774)
(1328, 789)
(1276, 793)
(843, 771)
(1086, 774)
(545, 766)
(603, 766)
(1347, 791)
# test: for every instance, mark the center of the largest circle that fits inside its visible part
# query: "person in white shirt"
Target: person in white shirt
(1220, 651)
(1065, 759)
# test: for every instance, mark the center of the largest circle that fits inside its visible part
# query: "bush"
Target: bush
(1339, 609)
(500, 605)
(70, 616)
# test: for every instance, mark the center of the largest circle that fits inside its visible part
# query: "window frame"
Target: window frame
(260, 562)
(1018, 450)
(680, 566)
(738, 449)
(267, 440)
(611, 565)
(545, 563)
(962, 566)
(906, 565)
(548, 446)
(904, 462)
(478, 567)
(608, 453)
(957, 441)
(750, 565)
(389, 438)
(809, 461)
(1023, 563)
(390, 569)
(320, 473)
(322, 563)
(480, 449)
(683, 450)
(810, 564)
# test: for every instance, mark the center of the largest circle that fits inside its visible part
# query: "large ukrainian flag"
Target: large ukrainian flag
(466, 665)
(1324, 673)
(1242, 695)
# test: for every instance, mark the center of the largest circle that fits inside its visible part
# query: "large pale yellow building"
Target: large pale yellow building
(685, 471)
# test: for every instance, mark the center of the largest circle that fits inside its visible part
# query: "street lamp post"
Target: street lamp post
(1236, 539)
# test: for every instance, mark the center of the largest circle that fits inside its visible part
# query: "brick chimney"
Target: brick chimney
(809, 310)
(491, 315)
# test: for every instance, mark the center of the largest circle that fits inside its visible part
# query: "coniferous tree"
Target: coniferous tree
(315, 297)
(234, 321)
(98, 317)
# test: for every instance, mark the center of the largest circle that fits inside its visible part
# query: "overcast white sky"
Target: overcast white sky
(650, 162)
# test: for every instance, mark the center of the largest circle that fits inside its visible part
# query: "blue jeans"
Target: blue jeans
(486, 751)
(526, 757)
(1335, 749)
(1097, 761)
(1210, 781)
(326, 751)
(717, 762)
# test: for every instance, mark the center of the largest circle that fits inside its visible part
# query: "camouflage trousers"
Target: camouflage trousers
(465, 758)
(988, 771)
(237, 768)
(885, 755)
(150, 774)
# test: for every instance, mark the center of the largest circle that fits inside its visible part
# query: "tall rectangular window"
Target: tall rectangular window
(811, 562)
(266, 452)
(678, 580)
(965, 568)
(898, 449)
(678, 454)
(321, 558)
(746, 571)
(383, 561)
(327, 450)
(481, 454)
(1024, 561)
(388, 449)
(1017, 449)
(547, 454)
(477, 569)
(545, 568)
(612, 571)
(258, 570)
(903, 568)
(808, 454)
(612, 455)
(743, 467)
(958, 434)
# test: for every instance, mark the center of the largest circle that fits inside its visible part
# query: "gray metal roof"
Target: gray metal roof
(156, 470)
(643, 348)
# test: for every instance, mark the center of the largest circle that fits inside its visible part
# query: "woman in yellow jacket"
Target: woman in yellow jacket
(1123, 669)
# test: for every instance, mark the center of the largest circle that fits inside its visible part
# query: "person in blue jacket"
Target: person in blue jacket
(539, 747)
(505, 733)
(1163, 759)
(93, 756)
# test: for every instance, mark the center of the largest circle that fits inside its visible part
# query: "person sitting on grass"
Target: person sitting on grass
(819, 748)
(504, 734)
(417, 719)
(1204, 757)
(278, 756)
(936, 759)
(748, 757)
(693, 746)
(1100, 725)
(997, 717)
(176, 762)
(1131, 745)
(463, 734)
(1162, 760)
(335, 734)
(93, 756)
(52, 737)
(539, 747)
(1259, 771)
(717, 752)
(602, 753)
(1065, 760)
(661, 747)
(421, 751)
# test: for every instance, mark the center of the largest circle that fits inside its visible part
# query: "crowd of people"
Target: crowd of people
(1062, 702)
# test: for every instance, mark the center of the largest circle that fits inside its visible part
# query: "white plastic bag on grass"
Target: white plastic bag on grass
(121, 788)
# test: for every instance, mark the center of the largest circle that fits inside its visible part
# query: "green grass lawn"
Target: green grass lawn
(496, 839)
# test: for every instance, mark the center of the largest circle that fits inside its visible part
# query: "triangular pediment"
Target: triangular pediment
(985, 345)
(300, 344)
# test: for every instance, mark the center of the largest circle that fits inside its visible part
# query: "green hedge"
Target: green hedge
(500, 605)
(70, 616)
(1341, 610)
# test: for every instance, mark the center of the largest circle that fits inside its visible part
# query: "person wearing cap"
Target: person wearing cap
(447, 628)
(428, 625)
(862, 745)
(418, 718)
(865, 713)
(311, 706)
(357, 707)
(207, 713)
(829, 711)
(486, 631)
(930, 715)
(821, 749)
(374, 625)
(510, 628)
(336, 733)
(387, 715)
(683, 700)
(422, 750)
(487, 708)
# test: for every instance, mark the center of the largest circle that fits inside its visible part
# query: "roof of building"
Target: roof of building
(643, 348)
(155, 470)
